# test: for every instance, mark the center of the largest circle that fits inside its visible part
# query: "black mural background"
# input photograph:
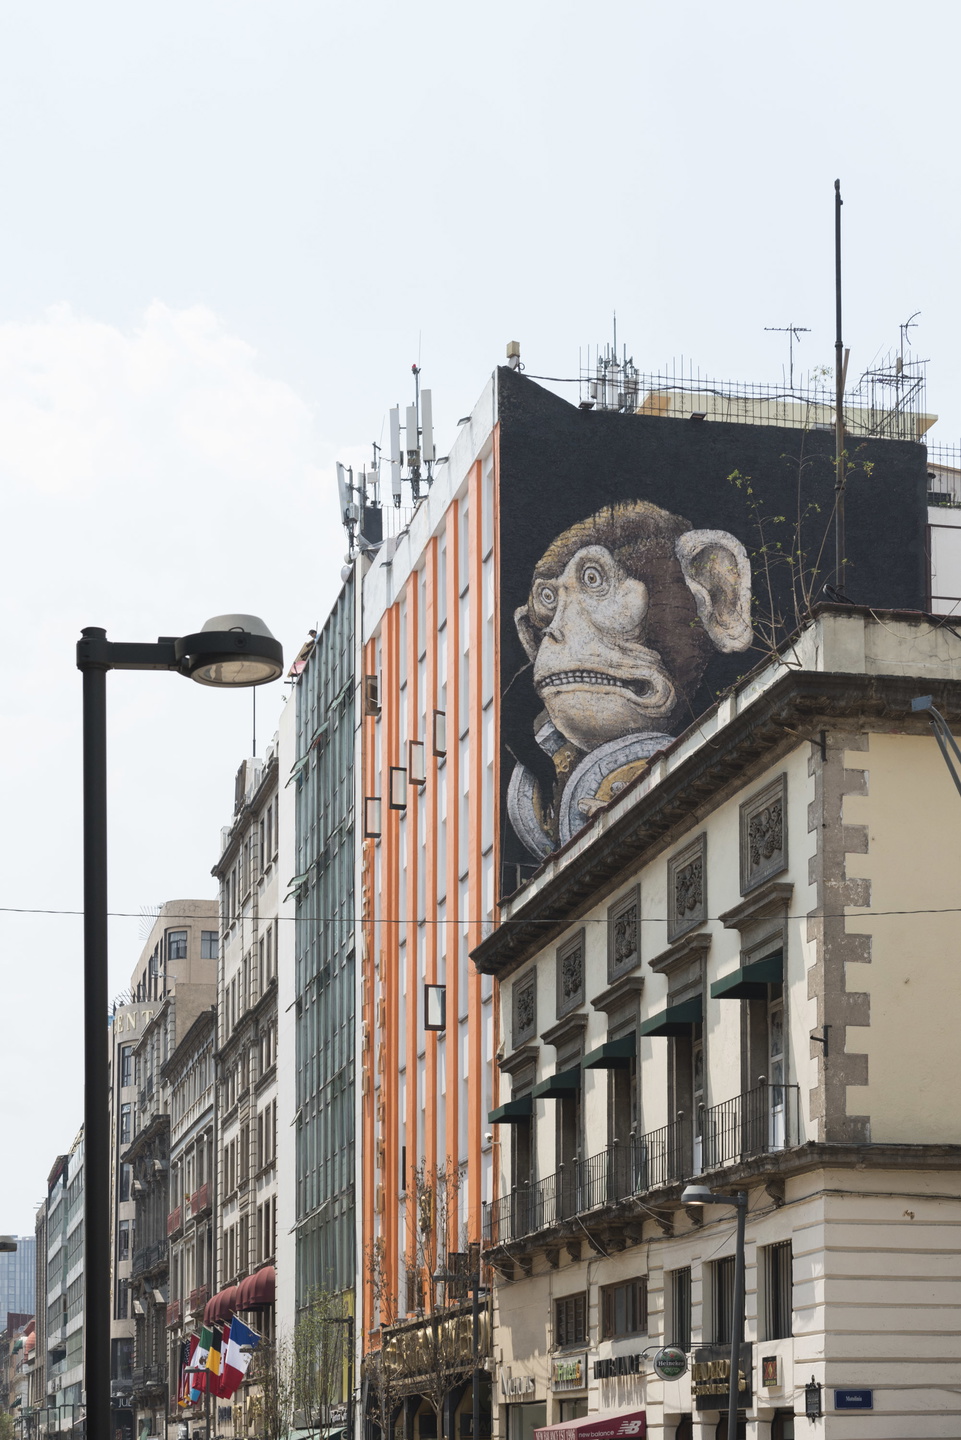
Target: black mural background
(560, 464)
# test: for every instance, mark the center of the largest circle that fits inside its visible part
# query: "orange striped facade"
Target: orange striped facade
(429, 884)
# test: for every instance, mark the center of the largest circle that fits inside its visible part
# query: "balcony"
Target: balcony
(199, 1298)
(175, 1221)
(151, 1257)
(200, 1201)
(761, 1121)
(173, 1313)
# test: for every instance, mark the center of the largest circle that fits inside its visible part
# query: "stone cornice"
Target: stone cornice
(692, 947)
(522, 1056)
(790, 712)
(572, 1027)
(628, 987)
(768, 900)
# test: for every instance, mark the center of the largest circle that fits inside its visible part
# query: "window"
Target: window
(122, 1300)
(624, 1309)
(723, 1275)
(123, 1240)
(126, 1065)
(177, 945)
(778, 1284)
(208, 944)
(570, 1320)
(126, 1117)
(680, 1298)
(124, 1182)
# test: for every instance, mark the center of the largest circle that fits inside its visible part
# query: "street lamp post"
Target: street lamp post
(230, 651)
(701, 1195)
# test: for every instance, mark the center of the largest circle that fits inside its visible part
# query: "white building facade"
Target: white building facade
(743, 974)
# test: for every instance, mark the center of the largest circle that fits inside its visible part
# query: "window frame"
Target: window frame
(568, 1309)
(636, 1289)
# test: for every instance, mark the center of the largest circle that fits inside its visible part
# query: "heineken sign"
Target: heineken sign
(670, 1363)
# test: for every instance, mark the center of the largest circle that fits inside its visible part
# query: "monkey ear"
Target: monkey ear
(529, 636)
(718, 575)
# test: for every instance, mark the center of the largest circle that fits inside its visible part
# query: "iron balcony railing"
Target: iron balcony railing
(762, 1120)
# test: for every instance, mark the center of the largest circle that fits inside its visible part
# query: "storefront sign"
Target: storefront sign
(569, 1372)
(854, 1399)
(670, 1363)
(769, 1373)
(613, 1366)
(513, 1386)
(711, 1377)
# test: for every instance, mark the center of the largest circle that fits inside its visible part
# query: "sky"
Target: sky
(230, 228)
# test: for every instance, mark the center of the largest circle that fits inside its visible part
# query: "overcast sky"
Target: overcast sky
(230, 228)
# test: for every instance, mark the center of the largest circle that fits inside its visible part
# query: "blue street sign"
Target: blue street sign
(854, 1399)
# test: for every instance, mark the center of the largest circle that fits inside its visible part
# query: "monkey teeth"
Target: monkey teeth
(584, 677)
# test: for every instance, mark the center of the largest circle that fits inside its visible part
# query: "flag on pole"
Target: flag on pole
(224, 1341)
(213, 1361)
(198, 1383)
(187, 1352)
(235, 1361)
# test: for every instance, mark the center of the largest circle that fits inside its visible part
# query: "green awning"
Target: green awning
(614, 1055)
(559, 1085)
(675, 1020)
(513, 1112)
(297, 768)
(750, 982)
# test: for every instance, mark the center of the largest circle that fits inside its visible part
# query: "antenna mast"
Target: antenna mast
(840, 375)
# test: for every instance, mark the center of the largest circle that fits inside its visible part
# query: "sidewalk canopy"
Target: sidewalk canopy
(625, 1425)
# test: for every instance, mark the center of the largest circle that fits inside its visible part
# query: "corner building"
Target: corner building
(742, 974)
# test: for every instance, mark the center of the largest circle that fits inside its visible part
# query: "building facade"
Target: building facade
(18, 1278)
(176, 976)
(726, 979)
(64, 1292)
(246, 1115)
(127, 1022)
(189, 1076)
(325, 939)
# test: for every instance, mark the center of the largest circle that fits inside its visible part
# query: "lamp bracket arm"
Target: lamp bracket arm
(96, 652)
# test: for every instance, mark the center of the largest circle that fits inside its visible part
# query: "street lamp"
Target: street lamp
(701, 1195)
(232, 651)
(942, 733)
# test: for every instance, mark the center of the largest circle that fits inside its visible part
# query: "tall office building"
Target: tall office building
(18, 1284)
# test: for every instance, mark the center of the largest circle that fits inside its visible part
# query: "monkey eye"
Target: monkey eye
(547, 595)
(593, 577)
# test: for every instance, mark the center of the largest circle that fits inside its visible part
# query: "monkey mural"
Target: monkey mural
(624, 610)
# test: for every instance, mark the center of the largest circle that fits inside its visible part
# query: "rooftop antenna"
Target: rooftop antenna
(793, 333)
(906, 328)
(840, 375)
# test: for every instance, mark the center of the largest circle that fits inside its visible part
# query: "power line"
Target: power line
(848, 914)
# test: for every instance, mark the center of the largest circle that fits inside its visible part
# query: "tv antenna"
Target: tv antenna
(793, 332)
(909, 325)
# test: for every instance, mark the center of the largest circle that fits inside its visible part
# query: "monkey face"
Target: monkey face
(593, 670)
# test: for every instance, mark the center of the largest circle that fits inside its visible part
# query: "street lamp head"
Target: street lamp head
(231, 650)
(701, 1195)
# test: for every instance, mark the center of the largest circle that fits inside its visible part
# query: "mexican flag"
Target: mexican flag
(198, 1383)
(235, 1361)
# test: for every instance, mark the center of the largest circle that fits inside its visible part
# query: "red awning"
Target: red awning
(221, 1306)
(257, 1291)
(629, 1425)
